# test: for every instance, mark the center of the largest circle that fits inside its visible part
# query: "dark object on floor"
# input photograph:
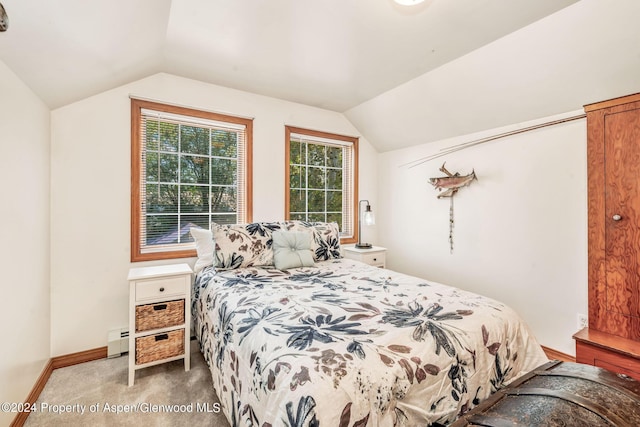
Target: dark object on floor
(561, 394)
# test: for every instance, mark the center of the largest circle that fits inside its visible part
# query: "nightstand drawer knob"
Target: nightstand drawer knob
(160, 307)
(161, 289)
(162, 337)
(375, 259)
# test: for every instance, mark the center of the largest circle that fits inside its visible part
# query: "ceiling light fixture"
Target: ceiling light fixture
(408, 2)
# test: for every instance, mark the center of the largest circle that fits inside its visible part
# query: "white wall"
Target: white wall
(520, 231)
(525, 75)
(24, 252)
(90, 181)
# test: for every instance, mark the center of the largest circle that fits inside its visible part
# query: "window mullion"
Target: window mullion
(324, 186)
(179, 181)
(209, 193)
(306, 186)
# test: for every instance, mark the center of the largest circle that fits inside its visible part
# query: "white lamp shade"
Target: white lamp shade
(369, 218)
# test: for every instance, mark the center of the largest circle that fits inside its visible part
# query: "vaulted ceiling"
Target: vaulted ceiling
(366, 58)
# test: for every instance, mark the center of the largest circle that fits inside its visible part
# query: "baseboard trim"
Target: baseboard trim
(21, 417)
(80, 357)
(557, 355)
(55, 363)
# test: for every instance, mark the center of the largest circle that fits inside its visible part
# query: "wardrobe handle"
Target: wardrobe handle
(616, 217)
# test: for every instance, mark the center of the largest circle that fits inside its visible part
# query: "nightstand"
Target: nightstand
(376, 255)
(159, 316)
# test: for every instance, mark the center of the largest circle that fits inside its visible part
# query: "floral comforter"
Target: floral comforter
(346, 344)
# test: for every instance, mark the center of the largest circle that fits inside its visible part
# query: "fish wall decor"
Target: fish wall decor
(451, 183)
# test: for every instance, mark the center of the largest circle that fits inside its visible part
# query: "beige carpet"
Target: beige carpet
(101, 387)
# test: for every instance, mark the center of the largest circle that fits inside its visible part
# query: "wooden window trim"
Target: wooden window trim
(136, 209)
(328, 135)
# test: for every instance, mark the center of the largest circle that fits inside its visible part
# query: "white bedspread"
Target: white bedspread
(346, 344)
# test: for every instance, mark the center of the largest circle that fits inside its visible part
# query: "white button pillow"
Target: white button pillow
(292, 249)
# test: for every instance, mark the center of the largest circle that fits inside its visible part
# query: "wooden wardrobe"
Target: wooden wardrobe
(612, 339)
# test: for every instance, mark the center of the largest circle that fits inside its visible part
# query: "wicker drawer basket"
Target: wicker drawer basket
(160, 315)
(159, 346)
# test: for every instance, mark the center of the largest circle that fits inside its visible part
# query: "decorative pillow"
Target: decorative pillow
(292, 249)
(243, 245)
(204, 247)
(326, 238)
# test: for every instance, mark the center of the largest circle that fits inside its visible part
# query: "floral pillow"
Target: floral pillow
(243, 245)
(326, 238)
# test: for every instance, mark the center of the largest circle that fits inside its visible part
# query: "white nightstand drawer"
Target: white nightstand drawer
(373, 259)
(375, 256)
(160, 288)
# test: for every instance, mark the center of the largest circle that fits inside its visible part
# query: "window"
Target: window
(321, 181)
(189, 168)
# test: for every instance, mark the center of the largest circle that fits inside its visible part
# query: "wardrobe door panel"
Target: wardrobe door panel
(622, 214)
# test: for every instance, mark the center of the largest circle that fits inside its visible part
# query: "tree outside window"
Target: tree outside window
(321, 178)
(189, 168)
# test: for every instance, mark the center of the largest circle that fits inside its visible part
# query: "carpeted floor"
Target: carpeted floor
(101, 388)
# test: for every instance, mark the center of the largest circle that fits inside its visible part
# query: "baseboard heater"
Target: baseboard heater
(118, 342)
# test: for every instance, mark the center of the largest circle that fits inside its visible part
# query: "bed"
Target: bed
(336, 342)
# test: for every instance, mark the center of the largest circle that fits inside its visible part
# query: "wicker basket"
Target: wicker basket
(160, 315)
(159, 346)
